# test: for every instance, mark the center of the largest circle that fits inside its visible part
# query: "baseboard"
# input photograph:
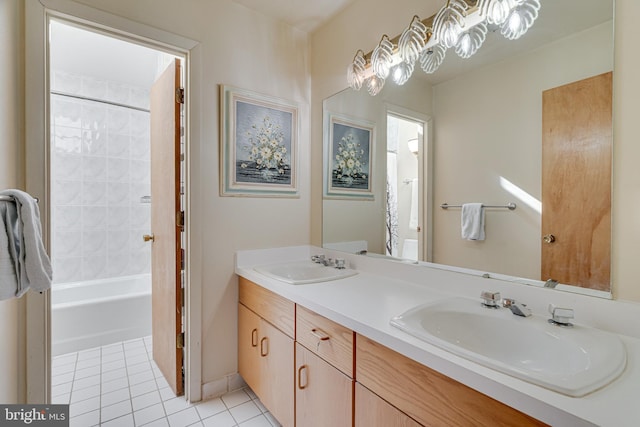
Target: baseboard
(221, 386)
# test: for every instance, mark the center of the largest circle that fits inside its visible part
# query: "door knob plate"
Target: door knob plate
(148, 237)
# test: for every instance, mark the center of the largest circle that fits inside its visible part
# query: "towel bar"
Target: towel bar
(11, 199)
(510, 206)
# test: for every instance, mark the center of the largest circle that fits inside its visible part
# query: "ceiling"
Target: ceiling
(306, 15)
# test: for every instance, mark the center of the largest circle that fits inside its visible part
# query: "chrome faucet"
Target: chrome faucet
(490, 299)
(517, 308)
(550, 283)
(560, 316)
(318, 259)
(338, 263)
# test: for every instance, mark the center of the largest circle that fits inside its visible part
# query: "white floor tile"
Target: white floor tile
(64, 388)
(176, 404)
(211, 407)
(138, 368)
(62, 378)
(245, 411)
(63, 369)
(85, 393)
(64, 359)
(223, 419)
(146, 415)
(197, 424)
(141, 377)
(112, 348)
(143, 388)
(272, 419)
(115, 396)
(81, 364)
(115, 411)
(167, 394)
(79, 384)
(145, 400)
(110, 366)
(85, 420)
(89, 354)
(61, 399)
(140, 358)
(87, 372)
(235, 398)
(162, 422)
(113, 375)
(84, 406)
(112, 357)
(184, 418)
(259, 421)
(162, 382)
(114, 385)
(125, 421)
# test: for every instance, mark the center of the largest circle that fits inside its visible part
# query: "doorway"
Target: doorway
(100, 208)
(405, 188)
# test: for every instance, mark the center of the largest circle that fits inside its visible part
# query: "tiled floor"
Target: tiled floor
(120, 386)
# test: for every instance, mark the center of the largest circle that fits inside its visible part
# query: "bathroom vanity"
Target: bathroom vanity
(324, 353)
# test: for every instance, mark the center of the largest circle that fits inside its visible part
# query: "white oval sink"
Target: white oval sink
(301, 272)
(574, 361)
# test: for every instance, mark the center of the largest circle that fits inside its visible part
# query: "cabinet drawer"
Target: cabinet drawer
(275, 309)
(327, 339)
(426, 395)
(372, 411)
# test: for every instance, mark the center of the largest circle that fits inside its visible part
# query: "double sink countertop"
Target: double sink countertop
(383, 289)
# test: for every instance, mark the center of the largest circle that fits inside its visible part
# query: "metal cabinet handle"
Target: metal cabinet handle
(306, 382)
(549, 238)
(264, 352)
(254, 338)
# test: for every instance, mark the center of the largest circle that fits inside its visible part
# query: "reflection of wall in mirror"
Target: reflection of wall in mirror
(501, 138)
(346, 220)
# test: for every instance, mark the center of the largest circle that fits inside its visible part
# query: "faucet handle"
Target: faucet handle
(560, 316)
(318, 258)
(490, 299)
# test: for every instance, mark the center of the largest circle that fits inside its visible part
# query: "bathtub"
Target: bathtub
(99, 312)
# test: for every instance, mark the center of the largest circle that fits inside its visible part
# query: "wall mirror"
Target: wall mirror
(480, 125)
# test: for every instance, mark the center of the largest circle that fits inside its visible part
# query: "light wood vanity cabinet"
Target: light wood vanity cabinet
(312, 382)
(324, 371)
(426, 395)
(266, 352)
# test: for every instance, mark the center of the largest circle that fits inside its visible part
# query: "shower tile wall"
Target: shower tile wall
(100, 168)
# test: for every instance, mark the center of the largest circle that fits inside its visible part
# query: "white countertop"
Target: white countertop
(366, 302)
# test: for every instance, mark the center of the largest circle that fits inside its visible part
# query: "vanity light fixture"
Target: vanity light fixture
(461, 25)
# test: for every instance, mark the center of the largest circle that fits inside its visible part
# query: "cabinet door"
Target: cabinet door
(276, 389)
(324, 395)
(248, 347)
(373, 411)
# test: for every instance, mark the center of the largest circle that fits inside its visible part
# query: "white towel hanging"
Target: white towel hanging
(472, 221)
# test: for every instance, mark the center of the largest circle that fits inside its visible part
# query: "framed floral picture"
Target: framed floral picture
(259, 144)
(349, 156)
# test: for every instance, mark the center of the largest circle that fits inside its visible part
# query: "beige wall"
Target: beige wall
(500, 138)
(362, 24)
(246, 49)
(11, 166)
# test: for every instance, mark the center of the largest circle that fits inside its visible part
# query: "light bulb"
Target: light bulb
(402, 71)
(374, 85)
(471, 40)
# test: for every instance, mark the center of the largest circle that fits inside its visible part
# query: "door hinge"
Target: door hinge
(180, 218)
(180, 340)
(180, 95)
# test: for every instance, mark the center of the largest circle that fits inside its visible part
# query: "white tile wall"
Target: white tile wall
(100, 170)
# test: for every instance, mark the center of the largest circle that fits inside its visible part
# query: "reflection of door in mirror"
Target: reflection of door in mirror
(403, 237)
(576, 182)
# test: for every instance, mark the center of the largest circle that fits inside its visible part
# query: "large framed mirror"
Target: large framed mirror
(481, 125)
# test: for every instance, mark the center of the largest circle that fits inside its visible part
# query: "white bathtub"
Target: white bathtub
(99, 312)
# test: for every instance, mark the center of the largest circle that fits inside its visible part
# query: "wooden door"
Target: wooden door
(276, 374)
(166, 258)
(248, 347)
(324, 395)
(576, 183)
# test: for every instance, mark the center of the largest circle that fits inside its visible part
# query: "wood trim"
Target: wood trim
(336, 348)
(426, 395)
(275, 309)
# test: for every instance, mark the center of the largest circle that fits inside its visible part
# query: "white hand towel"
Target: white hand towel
(413, 213)
(472, 221)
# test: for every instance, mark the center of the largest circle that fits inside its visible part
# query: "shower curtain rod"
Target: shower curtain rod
(102, 101)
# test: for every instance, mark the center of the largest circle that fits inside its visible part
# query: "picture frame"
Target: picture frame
(349, 153)
(259, 144)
